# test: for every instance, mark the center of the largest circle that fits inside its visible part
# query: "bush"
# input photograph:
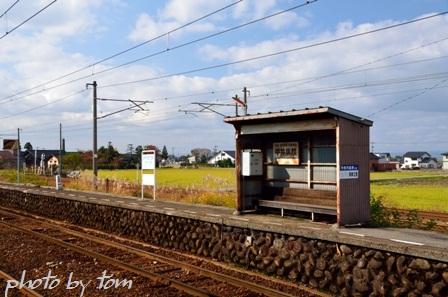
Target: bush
(382, 216)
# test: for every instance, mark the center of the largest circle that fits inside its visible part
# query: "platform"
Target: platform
(427, 244)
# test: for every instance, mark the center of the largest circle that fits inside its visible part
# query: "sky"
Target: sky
(181, 62)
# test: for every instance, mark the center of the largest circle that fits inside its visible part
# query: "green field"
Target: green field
(412, 189)
(207, 177)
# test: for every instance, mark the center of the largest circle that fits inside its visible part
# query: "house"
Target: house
(383, 158)
(8, 157)
(445, 161)
(413, 160)
(428, 163)
(221, 156)
(373, 162)
(385, 163)
(7, 160)
(34, 158)
(192, 160)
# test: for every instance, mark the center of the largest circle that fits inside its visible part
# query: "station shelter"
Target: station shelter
(314, 160)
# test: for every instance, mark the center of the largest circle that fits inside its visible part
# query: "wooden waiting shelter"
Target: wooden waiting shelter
(314, 160)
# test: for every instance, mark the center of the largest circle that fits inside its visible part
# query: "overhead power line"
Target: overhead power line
(3, 14)
(147, 56)
(27, 20)
(117, 54)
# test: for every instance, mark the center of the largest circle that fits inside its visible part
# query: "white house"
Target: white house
(384, 158)
(223, 155)
(445, 161)
(412, 160)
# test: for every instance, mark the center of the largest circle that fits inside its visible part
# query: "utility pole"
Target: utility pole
(95, 137)
(245, 91)
(60, 151)
(18, 156)
(95, 129)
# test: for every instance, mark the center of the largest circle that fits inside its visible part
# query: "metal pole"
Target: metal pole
(60, 151)
(245, 100)
(18, 156)
(95, 137)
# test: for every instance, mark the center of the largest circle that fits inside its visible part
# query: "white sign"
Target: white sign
(148, 160)
(149, 163)
(349, 172)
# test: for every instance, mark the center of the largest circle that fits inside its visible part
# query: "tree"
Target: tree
(138, 154)
(72, 161)
(164, 153)
(108, 157)
(28, 146)
(201, 154)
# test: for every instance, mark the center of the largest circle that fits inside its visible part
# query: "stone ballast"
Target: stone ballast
(340, 269)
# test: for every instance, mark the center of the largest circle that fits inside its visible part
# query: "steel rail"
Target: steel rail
(426, 214)
(129, 267)
(24, 290)
(200, 271)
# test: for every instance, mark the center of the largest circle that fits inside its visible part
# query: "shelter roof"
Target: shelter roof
(294, 115)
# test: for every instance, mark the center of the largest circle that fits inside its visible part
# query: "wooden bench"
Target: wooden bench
(313, 201)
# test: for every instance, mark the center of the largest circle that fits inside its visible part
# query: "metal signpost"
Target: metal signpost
(149, 163)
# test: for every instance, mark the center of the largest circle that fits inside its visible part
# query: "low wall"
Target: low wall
(341, 269)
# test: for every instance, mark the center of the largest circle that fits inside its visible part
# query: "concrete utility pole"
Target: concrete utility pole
(60, 151)
(95, 137)
(18, 156)
(245, 91)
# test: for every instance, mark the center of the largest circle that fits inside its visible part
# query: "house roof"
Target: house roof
(445, 154)
(230, 153)
(427, 160)
(415, 154)
(47, 153)
(10, 144)
(373, 156)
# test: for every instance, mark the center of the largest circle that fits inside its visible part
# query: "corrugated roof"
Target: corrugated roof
(307, 112)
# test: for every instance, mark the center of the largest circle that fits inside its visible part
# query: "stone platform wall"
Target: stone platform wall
(342, 270)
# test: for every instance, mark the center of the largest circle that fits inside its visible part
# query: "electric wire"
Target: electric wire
(121, 52)
(4, 14)
(274, 54)
(27, 20)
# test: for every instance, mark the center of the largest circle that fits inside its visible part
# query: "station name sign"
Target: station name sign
(349, 172)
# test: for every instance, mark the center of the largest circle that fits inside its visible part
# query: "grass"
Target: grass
(206, 177)
(421, 197)
(421, 190)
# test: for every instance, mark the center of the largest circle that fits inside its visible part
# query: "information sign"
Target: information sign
(349, 172)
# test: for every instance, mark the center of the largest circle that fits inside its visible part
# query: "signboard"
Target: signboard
(286, 153)
(149, 164)
(58, 182)
(148, 160)
(348, 172)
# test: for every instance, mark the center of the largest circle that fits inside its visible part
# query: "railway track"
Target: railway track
(164, 272)
(428, 215)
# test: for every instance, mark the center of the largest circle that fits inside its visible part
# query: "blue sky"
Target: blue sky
(361, 57)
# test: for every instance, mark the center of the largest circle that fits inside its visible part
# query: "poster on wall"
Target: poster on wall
(286, 153)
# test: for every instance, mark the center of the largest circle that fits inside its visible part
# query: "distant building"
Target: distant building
(385, 163)
(373, 162)
(7, 160)
(221, 156)
(414, 160)
(8, 157)
(33, 158)
(445, 161)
